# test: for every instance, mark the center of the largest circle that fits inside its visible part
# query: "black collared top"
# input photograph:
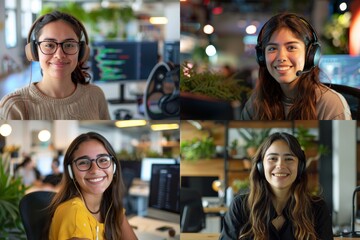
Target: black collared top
(237, 218)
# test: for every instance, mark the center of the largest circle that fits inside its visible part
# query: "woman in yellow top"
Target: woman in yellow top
(89, 202)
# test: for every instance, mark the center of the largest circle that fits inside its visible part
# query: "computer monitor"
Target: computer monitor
(122, 61)
(203, 184)
(340, 69)
(146, 164)
(164, 203)
(131, 166)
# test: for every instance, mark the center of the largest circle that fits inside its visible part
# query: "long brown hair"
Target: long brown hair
(79, 75)
(259, 200)
(268, 95)
(112, 197)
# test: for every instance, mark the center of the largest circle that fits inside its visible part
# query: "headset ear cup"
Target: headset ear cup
(70, 172)
(313, 55)
(301, 168)
(84, 52)
(114, 168)
(260, 168)
(31, 51)
(260, 58)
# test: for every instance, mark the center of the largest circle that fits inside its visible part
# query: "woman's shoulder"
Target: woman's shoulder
(331, 105)
(14, 97)
(72, 205)
(318, 203)
(90, 87)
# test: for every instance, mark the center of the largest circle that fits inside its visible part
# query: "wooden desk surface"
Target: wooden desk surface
(215, 236)
(221, 210)
(199, 236)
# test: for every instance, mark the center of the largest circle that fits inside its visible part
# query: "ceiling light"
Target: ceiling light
(5, 130)
(210, 50)
(130, 123)
(44, 135)
(158, 20)
(251, 29)
(163, 127)
(208, 29)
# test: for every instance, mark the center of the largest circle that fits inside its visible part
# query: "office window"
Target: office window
(10, 24)
(29, 11)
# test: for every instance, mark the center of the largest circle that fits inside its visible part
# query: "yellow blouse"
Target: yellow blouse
(72, 220)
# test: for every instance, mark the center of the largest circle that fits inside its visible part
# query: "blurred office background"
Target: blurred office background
(218, 40)
(216, 163)
(145, 150)
(144, 31)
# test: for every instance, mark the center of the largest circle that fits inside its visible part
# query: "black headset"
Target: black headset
(31, 50)
(301, 167)
(313, 52)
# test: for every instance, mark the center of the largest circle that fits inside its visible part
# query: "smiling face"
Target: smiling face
(285, 55)
(95, 180)
(58, 65)
(280, 166)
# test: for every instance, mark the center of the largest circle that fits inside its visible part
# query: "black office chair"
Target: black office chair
(128, 176)
(192, 218)
(352, 96)
(34, 213)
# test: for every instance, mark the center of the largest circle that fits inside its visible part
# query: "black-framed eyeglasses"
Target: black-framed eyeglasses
(84, 163)
(50, 47)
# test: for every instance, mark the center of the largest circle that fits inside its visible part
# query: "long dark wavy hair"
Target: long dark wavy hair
(112, 197)
(259, 200)
(268, 95)
(80, 74)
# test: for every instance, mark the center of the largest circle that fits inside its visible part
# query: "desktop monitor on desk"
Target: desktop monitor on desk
(146, 166)
(202, 184)
(122, 62)
(340, 69)
(164, 193)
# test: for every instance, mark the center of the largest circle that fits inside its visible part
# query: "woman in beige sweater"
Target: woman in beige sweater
(60, 43)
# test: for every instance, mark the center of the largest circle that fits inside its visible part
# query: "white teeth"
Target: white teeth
(282, 68)
(280, 174)
(95, 179)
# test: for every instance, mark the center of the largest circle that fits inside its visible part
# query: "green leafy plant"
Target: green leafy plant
(115, 17)
(212, 84)
(240, 185)
(253, 138)
(196, 149)
(11, 192)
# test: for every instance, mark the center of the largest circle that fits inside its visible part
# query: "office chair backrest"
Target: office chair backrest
(192, 213)
(352, 96)
(34, 213)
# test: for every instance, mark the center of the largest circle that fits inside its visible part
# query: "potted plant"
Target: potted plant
(253, 139)
(212, 85)
(11, 192)
(240, 186)
(196, 148)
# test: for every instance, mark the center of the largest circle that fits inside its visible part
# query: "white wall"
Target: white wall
(172, 29)
(344, 169)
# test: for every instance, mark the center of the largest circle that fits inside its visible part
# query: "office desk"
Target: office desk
(140, 191)
(199, 236)
(218, 211)
(215, 209)
(144, 226)
(215, 236)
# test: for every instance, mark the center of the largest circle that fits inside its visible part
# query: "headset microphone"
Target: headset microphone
(298, 73)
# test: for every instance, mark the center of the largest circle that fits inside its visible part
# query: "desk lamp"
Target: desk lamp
(219, 186)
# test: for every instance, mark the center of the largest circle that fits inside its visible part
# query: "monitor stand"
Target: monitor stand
(121, 99)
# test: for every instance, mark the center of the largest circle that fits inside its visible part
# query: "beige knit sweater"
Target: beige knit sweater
(86, 103)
